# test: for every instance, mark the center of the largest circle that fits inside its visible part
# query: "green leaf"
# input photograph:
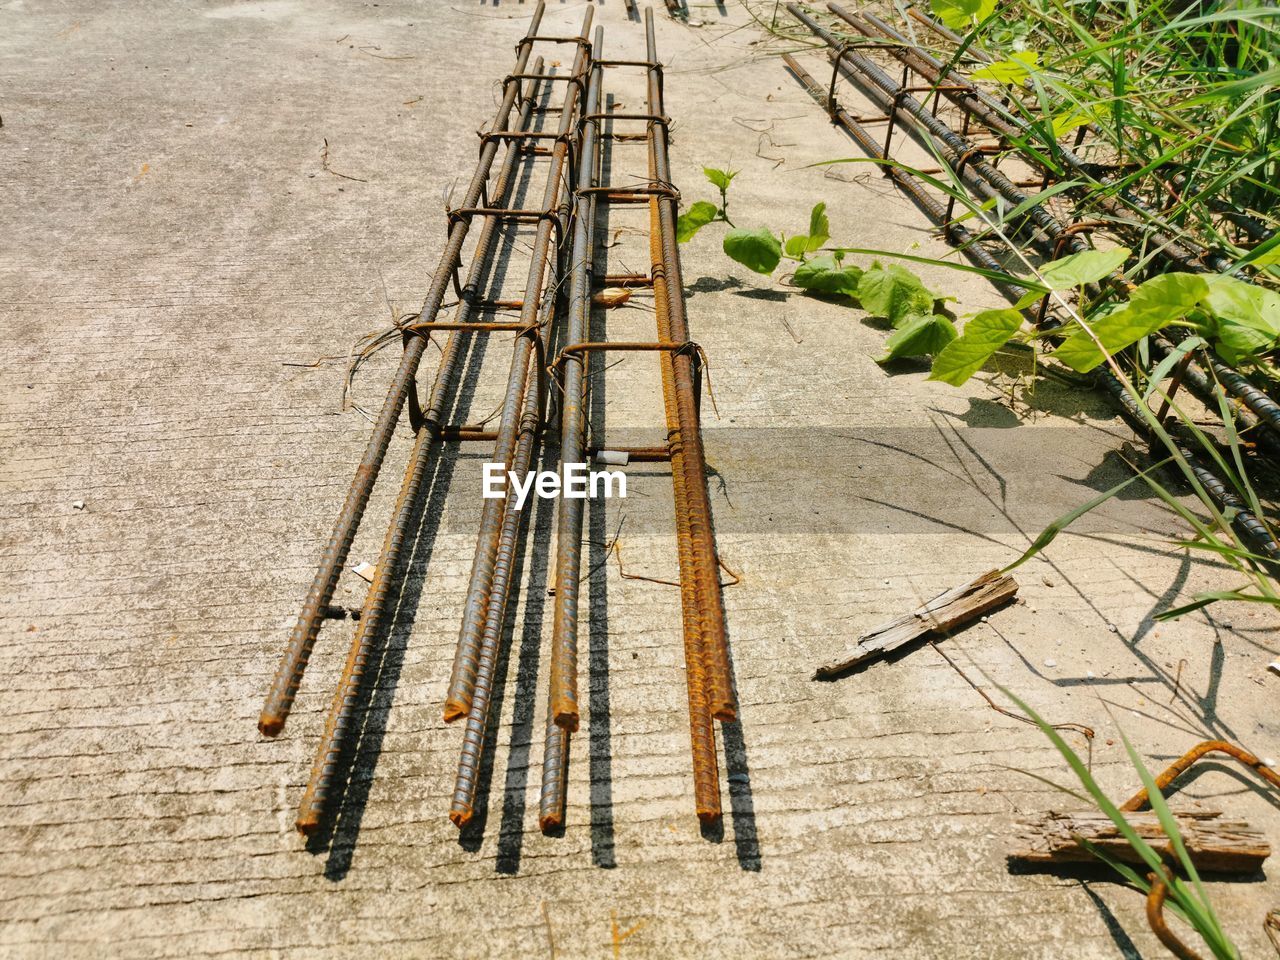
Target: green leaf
(796, 246)
(894, 292)
(757, 250)
(918, 335)
(983, 335)
(1245, 303)
(1154, 304)
(1014, 70)
(958, 14)
(1083, 267)
(825, 275)
(1238, 343)
(819, 228)
(694, 219)
(1069, 120)
(720, 178)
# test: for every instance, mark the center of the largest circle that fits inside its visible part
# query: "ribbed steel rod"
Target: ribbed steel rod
(1254, 532)
(972, 100)
(473, 743)
(702, 734)
(339, 720)
(562, 698)
(466, 782)
(954, 231)
(288, 676)
(989, 111)
(958, 151)
(466, 658)
(720, 693)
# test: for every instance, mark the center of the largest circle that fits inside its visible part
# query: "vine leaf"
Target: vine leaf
(895, 293)
(1087, 266)
(919, 335)
(1154, 304)
(720, 179)
(694, 219)
(757, 250)
(819, 228)
(825, 275)
(958, 14)
(984, 334)
(1014, 70)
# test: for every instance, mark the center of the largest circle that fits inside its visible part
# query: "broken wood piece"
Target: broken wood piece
(1213, 842)
(948, 610)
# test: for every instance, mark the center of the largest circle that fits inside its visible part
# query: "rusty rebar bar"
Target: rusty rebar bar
(564, 643)
(711, 627)
(1187, 760)
(347, 696)
(466, 782)
(470, 637)
(702, 735)
(974, 102)
(960, 153)
(1156, 895)
(288, 676)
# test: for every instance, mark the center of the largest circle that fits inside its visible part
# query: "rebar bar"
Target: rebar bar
(973, 101)
(337, 724)
(470, 637)
(564, 643)
(711, 627)
(464, 794)
(959, 152)
(288, 676)
(702, 735)
(1245, 523)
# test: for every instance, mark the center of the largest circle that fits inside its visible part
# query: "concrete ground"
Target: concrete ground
(181, 275)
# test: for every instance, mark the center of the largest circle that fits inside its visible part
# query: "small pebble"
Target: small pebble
(1269, 762)
(1113, 628)
(1273, 666)
(1051, 663)
(77, 505)
(1089, 674)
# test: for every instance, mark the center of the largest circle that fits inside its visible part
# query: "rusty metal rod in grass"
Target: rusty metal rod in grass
(1245, 523)
(959, 152)
(466, 658)
(720, 694)
(965, 95)
(987, 110)
(464, 792)
(1156, 894)
(288, 676)
(338, 723)
(955, 232)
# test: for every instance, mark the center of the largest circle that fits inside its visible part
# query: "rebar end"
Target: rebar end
(567, 720)
(549, 822)
(460, 818)
(726, 712)
(270, 724)
(709, 817)
(307, 824)
(453, 710)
